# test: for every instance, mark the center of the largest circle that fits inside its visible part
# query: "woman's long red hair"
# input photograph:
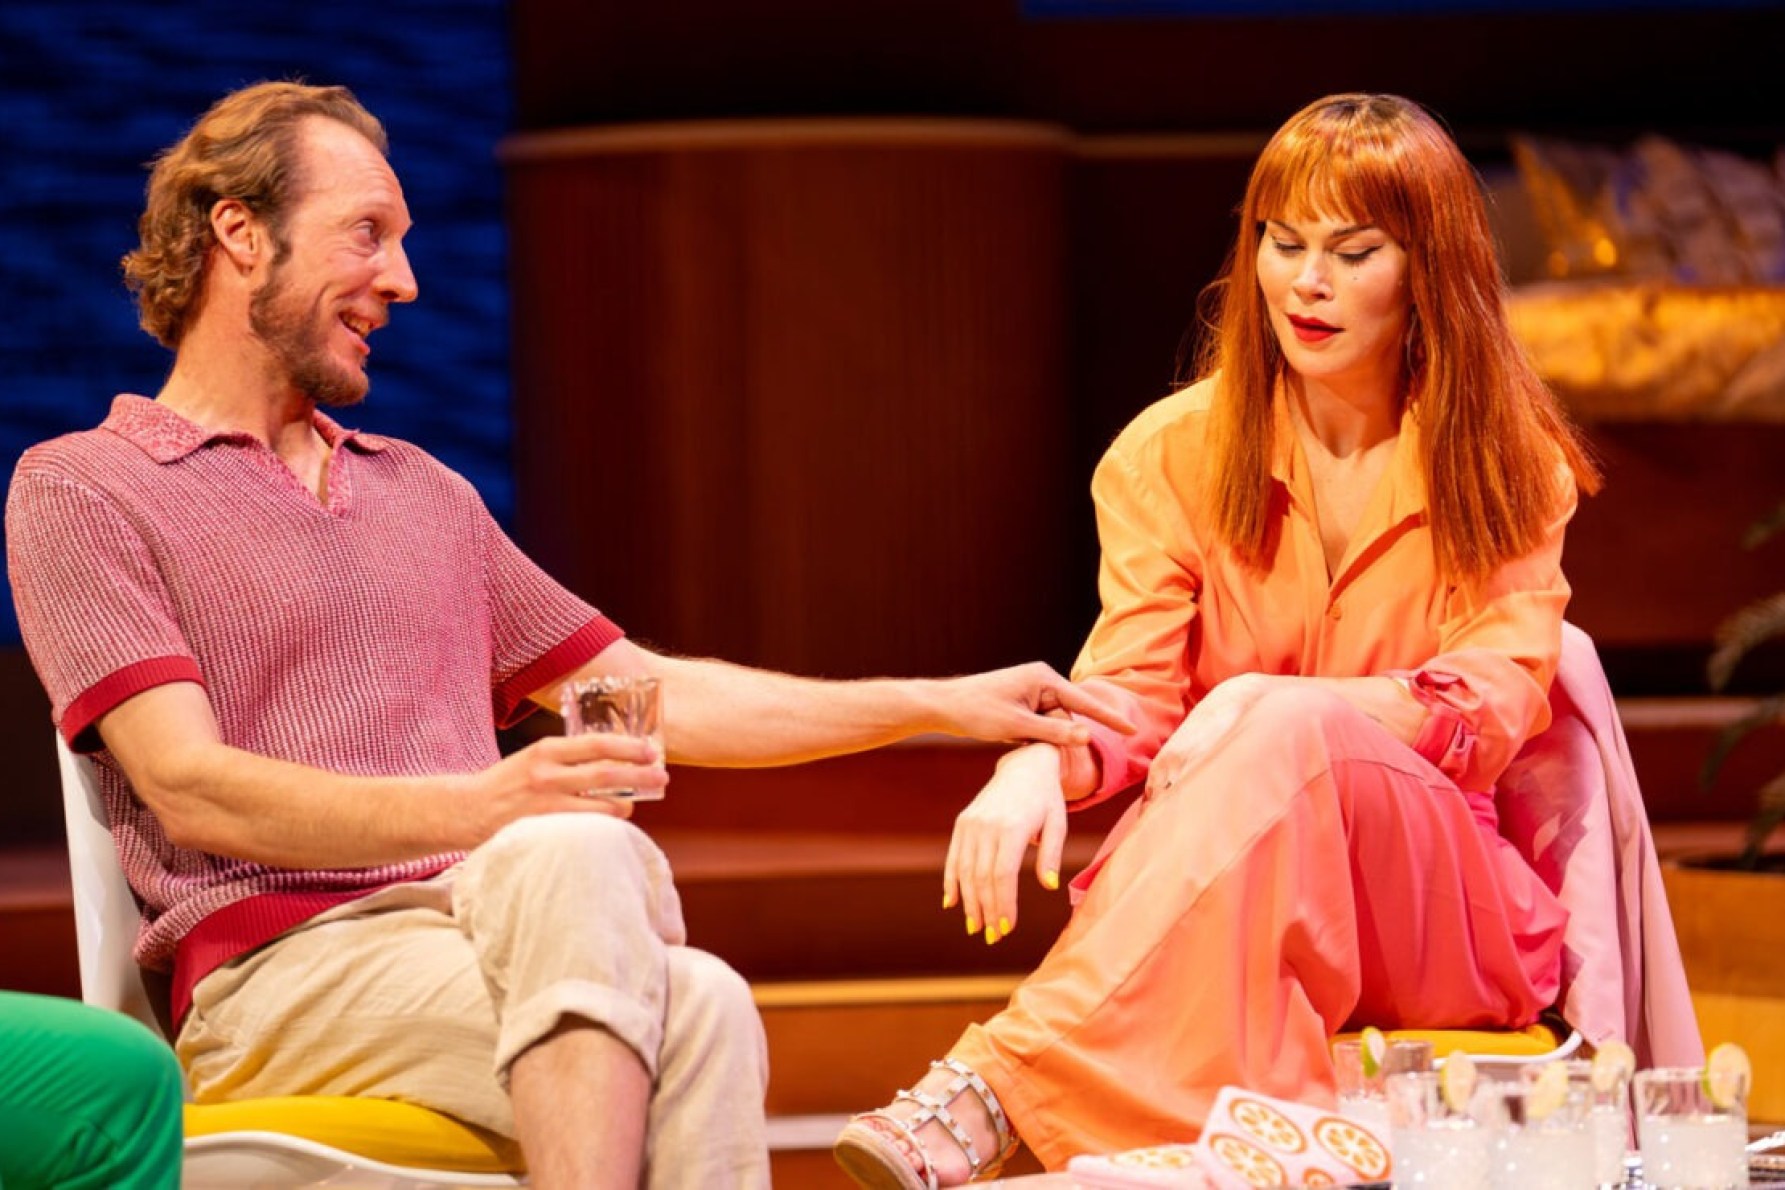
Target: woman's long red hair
(1491, 430)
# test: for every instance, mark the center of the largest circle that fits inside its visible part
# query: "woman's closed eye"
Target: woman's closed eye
(1353, 256)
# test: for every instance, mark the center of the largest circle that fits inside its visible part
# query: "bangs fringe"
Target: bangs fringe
(1335, 170)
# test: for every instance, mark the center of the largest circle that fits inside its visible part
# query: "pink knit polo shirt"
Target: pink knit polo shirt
(387, 633)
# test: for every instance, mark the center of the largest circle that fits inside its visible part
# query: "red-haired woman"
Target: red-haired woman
(1332, 600)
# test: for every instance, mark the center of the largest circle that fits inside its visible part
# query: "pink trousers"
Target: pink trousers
(1309, 873)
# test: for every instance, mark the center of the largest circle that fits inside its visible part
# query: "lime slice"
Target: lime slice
(1547, 1091)
(1613, 1064)
(1727, 1075)
(1374, 1048)
(1456, 1081)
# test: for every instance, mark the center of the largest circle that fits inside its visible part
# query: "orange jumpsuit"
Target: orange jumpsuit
(1312, 870)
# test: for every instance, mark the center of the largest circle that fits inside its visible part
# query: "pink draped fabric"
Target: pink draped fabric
(1571, 804)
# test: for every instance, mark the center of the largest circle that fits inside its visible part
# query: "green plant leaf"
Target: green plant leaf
(1767, 819)
(1741, 633)
(1765, 712)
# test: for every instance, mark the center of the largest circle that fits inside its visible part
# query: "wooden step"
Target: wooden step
(800, 906)
(846, 1045)
(1670, 739)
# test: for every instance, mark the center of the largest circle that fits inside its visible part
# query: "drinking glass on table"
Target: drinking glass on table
(1542, 1139)
(1435, 1137)
(621, 705)
(1693, 1136)
(1607, 1092)
(1364, 1097)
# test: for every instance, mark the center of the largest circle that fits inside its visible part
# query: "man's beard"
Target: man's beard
(297, 342)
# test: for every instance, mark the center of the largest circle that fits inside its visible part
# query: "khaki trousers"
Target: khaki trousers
(427, 991)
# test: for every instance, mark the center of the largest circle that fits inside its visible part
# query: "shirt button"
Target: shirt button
(1334, 612)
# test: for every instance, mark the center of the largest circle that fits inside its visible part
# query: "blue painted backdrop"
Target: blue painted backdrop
(91, 90)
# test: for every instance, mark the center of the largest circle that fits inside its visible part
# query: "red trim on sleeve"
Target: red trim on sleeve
(1446, 738)
(93, 702)
(580, 647)
(1113, 770)
(1447, 741)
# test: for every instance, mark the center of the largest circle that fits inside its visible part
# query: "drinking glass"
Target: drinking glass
(1688, 1140)
(623, 705)
(1364, 1098)
(1434, 1144)
(1539, 1144)
(1608, 1119)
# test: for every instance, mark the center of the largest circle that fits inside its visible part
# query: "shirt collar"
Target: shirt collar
(166, 437)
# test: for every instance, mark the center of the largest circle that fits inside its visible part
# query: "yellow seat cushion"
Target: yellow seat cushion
(382, 1129)
(1530, 1042)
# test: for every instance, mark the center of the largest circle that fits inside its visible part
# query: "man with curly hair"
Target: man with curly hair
(289, 645)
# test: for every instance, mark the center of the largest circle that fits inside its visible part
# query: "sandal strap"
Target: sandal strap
(909, 1129)
(967, 1079)
(935, 1107)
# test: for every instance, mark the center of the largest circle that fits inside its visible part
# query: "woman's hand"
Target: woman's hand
(1205, 726)
(1021, 804)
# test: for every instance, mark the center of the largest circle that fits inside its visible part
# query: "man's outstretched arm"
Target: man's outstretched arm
(717, 713)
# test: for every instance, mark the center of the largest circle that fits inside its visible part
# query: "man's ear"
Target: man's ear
(241, 235)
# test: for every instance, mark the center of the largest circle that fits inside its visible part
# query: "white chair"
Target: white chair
(365, 1144)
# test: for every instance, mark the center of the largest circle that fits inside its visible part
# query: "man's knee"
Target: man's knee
(588, 863)
(545, 833)
(707, 995)
(711, 1014)
(535, 848)
(708, 984)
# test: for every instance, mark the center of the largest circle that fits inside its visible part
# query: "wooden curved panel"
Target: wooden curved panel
(795, 393)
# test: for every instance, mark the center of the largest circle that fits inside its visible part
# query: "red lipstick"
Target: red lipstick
(1312, 330)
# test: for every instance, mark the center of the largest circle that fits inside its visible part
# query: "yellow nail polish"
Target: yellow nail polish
(972, 926)
(948, 900)
(1050, 880)
(991, 935)
(1004, 926)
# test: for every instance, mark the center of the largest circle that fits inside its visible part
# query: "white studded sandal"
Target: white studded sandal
(882, 1152)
